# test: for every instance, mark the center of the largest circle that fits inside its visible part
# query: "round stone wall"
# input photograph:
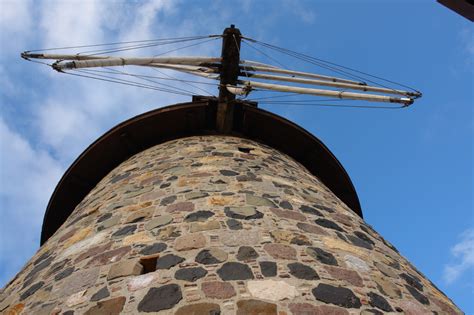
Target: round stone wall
(217, 225)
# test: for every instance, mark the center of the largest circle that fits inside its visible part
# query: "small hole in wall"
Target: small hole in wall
(149, 263)
(244, 150)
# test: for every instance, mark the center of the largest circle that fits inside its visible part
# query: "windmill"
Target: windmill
(215, 205)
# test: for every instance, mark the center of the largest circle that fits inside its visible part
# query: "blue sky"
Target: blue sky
(412, 168)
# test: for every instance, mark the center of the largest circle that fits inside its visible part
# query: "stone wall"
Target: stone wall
(217, 225)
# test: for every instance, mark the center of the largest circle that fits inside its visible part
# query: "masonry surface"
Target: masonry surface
(217, 225)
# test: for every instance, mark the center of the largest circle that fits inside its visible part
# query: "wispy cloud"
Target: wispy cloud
(27, 179)
(463, 254)
(47, 119)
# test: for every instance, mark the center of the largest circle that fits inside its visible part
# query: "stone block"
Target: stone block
(125, 268)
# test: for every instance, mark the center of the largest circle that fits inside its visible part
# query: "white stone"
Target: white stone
(76, 298)
(272, 290)
(84, 244)
(356, 263)
(239, 238)
(140, 282)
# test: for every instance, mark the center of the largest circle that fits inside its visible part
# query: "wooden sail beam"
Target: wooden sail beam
(329, 83)
(144, 61)
(299, 73)
(228, 68)
(336, 94)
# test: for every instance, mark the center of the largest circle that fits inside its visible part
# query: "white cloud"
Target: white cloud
(301, 11)
(27, 179)
(61, 115)
(64, 23)
(14, 16)
(463, 253)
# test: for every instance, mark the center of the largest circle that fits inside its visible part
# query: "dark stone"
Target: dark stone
(379, 301)
(396, 265)
(286, 205)
(168, 261)
(417, 295)
(63, 274)
(228, 173)
(278, 185)
(206, 258)
(119, 177)
(373, 311)
(244, 150)
(40, 266)
(104, 217)
(168, 200)
(235, 271)
(341, 236)
(301, 271)
(223, 154)
(249, 177)
(219, 181)
(322, 256)
(328, 224)
(31, 290)
(364, 237)
(172, 178)
(196, 164)
(79, 218)
(324, 208)
(365, 229)
(27, 282)
(68, 312)
(126, 230)
(336, 295)
(101, 294)
(42, 257)
(268, 196)
(164, 185)
(56, 267)
(190, 274)
(246, 253)
(233, 215)
(389, 245)
(234, 224)
(359, 242)
(300, 240)
(268, 268)
(310, 210)
(412, 280)
(162, 298)
(153, 249)
(200, 216)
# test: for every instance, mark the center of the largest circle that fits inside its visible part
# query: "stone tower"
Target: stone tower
(165, 215)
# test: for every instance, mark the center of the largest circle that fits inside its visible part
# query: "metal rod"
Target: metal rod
(28, 55)
(185, 68)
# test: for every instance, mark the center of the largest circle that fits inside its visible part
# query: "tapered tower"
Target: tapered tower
(213, 207)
